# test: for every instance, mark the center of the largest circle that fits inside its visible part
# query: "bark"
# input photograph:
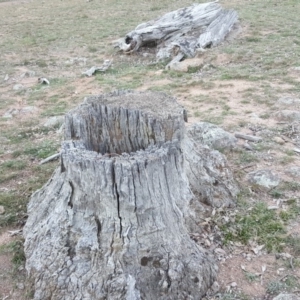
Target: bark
(183, 31)
(114, 220)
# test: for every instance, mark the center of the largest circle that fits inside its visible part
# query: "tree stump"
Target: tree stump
(114, 220)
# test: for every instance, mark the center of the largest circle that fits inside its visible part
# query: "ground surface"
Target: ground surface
(242, 86)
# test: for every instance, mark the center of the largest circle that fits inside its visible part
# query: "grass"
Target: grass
(287, 284)
(284, 188)
(16, 248)
(15, 208)
(13, 165)
(247, 157)
(259, 224)
(15, 202)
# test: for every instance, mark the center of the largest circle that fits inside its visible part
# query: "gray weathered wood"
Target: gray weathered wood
(106, 64)
(185, 31)
(114, 220)
(50, 158)
(248, 137)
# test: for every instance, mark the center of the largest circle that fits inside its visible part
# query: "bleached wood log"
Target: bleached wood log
(113, 222)
(248, 137)
(50, 158)
(218, 29)
(107, 63)
(182, 31)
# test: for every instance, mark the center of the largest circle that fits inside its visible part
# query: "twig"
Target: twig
(286, 275)
(50, 158)
(248, 137)
(248, 166)
(15, 232)
(297, 150)
(291, 263)
(247, 146)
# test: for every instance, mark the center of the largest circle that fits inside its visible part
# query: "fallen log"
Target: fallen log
(114, 220)
(185, 31)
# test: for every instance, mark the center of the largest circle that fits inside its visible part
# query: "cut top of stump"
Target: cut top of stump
(155, 104)
(126, 121)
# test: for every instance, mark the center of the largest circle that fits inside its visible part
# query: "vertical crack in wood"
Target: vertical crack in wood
(98, 224)
(70, 201)
(167, 272)
(115, 187)
(62, 166)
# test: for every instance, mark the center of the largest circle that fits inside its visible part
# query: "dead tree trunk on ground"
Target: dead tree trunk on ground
(182, 32)
(113, 222)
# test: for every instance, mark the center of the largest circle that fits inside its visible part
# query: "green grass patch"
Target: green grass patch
(13, 165)
(56, 110)
(43, 150)
(16, 248)
(15, 206)
(247, 157)
(259, 224)
(287, 284)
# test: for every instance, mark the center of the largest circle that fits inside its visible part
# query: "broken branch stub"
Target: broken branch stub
(113, 222)
(183, 31)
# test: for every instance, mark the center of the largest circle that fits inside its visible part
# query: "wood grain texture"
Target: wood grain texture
(114, 221)
(182, 31)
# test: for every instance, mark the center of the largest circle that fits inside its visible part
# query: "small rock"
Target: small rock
(21, 268)
(18, 87)
(212, 135)
(2, 210)
(8, 114)
(61, 129)
(27, 109)
(213, 289)
(273, 207)
(183, 66)
(293, 171)
(220, 251)
(28, 74)
(54, 121)
(279, 140)
(254, 118)
(43, 80)
(6, 77)
(264, 178)
(286, 297)
(288, 101)
(81, 61)
(20, 286)
(288, 115)
(296, 68)
(13, 111)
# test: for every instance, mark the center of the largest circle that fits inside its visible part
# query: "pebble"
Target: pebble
(278, 140)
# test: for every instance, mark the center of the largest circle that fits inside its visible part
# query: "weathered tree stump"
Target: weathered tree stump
(113, 222)
(182, 32)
